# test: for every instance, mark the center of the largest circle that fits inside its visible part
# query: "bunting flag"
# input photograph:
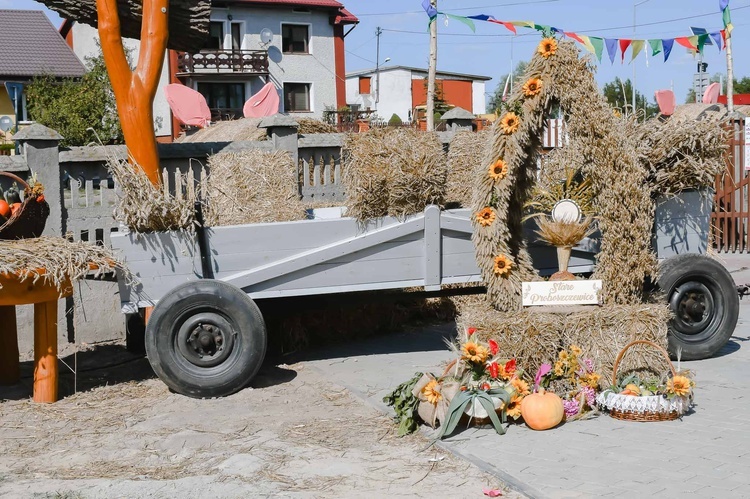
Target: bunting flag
(596, 45)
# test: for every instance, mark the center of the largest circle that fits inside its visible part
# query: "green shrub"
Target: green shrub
(395, 120)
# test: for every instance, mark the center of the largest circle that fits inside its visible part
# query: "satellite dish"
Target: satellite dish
(266, 35)
(566, 210)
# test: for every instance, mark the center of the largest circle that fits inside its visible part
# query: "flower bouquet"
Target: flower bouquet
(574, 379)
(654, 398)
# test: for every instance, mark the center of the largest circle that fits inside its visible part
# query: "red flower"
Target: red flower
(494, 348)
(471, 331)
(510, 367)
(494, 370)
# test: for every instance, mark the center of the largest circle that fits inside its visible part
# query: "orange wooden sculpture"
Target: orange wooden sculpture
(135, 89)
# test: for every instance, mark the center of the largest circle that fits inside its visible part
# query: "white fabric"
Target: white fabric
(655, 403)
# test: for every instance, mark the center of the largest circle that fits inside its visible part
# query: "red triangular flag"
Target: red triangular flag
(574, 36)
(685, 42)
(624, 44)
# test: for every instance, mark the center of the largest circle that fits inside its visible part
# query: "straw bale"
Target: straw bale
(392, 171)
(311, 125)
(467, 150)
(534, 337)
(244, 129)
(55, 260)
(144, 207)
(252, 186)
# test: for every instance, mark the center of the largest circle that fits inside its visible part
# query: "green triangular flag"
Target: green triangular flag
(702, 41)
(546, 30)
(464, 20)
(598, 44)
(656, 46)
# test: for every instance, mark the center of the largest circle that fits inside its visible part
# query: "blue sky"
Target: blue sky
(489, 50)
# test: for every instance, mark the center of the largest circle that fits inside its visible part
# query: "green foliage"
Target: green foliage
(7, 146)
(619, 94)
(740, 87)
(463, 399)
(405, 404)
(72, 106)
(395, 120)
(496, 101)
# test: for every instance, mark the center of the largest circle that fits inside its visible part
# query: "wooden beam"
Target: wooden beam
(188, 19)
(45, 352)
(10, 371)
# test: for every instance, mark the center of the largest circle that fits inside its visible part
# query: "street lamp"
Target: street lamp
(377, 79)
(633, 85)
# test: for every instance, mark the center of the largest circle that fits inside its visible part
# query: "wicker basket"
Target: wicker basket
(30, 219)
(636, 408)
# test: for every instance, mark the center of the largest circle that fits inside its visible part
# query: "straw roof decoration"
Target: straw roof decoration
(246, 129)
(394, 172)
(681, 154)
(466, 150)
(504, 182)
(55, 260)
(252, 186)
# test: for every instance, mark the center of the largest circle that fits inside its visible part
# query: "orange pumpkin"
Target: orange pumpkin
(4, 208)
(14, 208)
(542, 410)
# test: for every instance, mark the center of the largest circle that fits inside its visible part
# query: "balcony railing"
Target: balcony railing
(224, 61)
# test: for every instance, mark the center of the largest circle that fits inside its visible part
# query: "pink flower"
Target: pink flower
(590, 395)
(543, 371)
(571, 407)
(589, 365)
(494, 348)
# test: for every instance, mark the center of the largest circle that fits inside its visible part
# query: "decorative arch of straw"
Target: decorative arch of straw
(608, 153)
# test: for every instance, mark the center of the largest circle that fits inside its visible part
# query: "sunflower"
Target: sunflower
(485, 217)
(510, 123)
(576, 350)
(521, 387)
(559, 371)
(547, 47)
(431, 392)
(532, 87)
(563, 355)
(502, 265)
(591, 380)
(474, 352)
(679, 385)
(498, 170)
(514, 407)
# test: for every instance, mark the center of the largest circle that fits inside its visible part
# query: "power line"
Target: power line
(461, 9)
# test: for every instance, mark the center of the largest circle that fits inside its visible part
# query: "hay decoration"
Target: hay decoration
(252, 186)
(393, 172)
(245, 129)
(681, 155)
(556, 185)
(144, 207)
(467, 150)
(55, 260)
(309, 126)
(534, 337)
(609, 159)
(563, 233)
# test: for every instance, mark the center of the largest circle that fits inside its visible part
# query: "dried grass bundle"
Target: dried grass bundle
(245, 129)
(534, 337)
(55, 260)
(252, 186)
(563, 233)
(467, 150)
(311, 126)
(681, 155)
(392, 171)
(143, 207)
(556, 184)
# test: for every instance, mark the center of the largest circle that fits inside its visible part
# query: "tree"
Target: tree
(73, 106)
(619, 95)
(740, 86)
(496, 101)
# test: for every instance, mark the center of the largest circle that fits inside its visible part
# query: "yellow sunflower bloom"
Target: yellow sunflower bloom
(591, 380)
(679, 385)
(474, 352)
(431, 392)
(486, 217)
(563, 355)
(559, 369)
(576, 350)
(532, 87)
(498, 170)
(502, 265)
(510, 123)
(547, 47)
(514, 408)
(522, 387)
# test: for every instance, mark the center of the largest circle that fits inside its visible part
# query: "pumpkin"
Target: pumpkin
(4, 208)
(542, 410)
(15, 207)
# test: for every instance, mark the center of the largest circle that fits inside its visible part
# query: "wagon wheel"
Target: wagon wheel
(206, 339)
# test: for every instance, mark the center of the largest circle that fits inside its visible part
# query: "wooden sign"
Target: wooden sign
(582, 292)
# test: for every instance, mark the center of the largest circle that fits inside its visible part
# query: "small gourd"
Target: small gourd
(542, 410)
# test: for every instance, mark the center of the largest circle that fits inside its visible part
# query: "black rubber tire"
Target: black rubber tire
(704, 300)
(206, 339)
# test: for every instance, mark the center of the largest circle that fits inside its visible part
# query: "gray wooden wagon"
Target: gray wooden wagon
(206, 336)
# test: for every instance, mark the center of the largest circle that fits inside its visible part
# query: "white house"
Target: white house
(301, 51)
(403, 88)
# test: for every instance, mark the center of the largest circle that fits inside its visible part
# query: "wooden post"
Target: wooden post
(135, 89)
(730, 75)
(431, 73)
(10, 372)
(147, 314)
(45, 351)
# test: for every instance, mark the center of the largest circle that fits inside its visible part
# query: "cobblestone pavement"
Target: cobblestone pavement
(706, 454)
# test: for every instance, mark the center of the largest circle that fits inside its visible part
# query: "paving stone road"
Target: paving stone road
(705, 455)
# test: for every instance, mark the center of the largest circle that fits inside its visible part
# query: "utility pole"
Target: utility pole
(378, 32)
(431, 72)
(730, 76)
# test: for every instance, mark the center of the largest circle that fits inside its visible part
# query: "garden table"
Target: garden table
(44, 296)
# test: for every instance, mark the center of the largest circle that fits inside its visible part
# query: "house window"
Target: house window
(364, 84)
(294, 38)
(297, 97)
(224, 99)
(236, 36)
(215, 40)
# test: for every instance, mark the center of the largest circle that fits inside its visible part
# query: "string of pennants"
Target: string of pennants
(596, 45)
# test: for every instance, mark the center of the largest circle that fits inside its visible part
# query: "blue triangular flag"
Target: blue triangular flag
(718, 40)
(611, 44)
(431, 11)
(667, 45)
